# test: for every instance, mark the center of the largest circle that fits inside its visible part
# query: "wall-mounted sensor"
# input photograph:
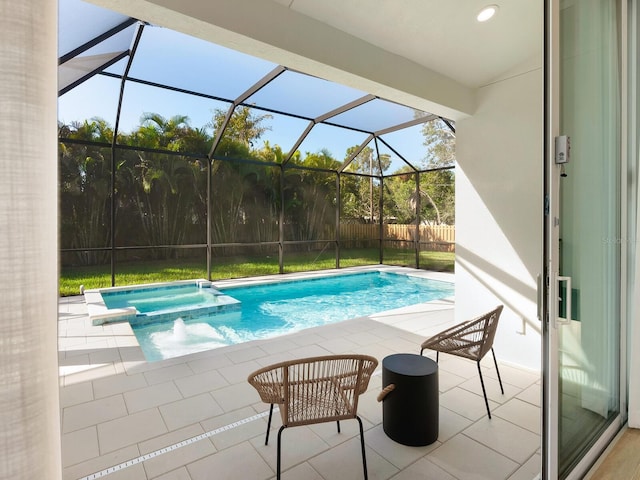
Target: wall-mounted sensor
(563, 149)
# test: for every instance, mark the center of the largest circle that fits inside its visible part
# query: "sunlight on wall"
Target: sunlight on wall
(499, 213)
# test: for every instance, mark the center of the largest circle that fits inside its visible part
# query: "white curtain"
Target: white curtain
(590, 221)
(29, 405)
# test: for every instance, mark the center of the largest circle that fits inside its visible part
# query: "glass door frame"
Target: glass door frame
(548, 304)
(549, 309)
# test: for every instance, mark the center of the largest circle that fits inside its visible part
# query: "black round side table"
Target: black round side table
(410, 411)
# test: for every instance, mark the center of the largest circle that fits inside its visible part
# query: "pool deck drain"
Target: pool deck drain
(175, 446)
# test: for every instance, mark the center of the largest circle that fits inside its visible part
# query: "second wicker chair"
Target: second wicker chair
(471, 339)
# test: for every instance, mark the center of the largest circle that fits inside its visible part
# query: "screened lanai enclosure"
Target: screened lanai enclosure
(178, 153)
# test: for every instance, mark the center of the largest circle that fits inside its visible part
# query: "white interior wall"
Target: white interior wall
(499, 222)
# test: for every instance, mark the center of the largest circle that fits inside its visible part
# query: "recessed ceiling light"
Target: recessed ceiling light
(487, 13)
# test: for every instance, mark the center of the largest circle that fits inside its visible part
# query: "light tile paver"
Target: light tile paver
(103, 462)
(521, 413)
(92, 413)
(246, 353)
(302, 471)
(208, 363)
(129, 430)
(79, 446)
(177, 458)
(510, 440)
(86, 372)
(179, 474)
(233, 436)
(190, 410)
(467, 459)
(200, 383)
(514, 376)
(240, 461)
(153, 396)
(531, 394)
(466, 403)
(344, 462)
(107, 386)
(530, 470)
(423, 469)
(298, 445)
(75, 394)
(162, 375)
(399, 455)
(238, 373)
(235, 396)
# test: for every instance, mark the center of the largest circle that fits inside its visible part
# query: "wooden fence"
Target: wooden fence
(440, 237)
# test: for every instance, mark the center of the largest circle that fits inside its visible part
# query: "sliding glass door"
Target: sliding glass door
(583, 225)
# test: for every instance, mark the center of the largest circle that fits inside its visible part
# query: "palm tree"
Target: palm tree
(311, 196)
(85, 189)
(165, 190)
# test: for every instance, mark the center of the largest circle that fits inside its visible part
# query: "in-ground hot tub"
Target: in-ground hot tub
(155, 302)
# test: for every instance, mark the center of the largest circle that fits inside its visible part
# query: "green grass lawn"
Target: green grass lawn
(134, 273)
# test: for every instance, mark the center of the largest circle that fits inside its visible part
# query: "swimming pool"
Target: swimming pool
(273, 309)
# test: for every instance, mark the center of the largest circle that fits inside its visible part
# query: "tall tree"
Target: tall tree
(84, 185)
(165, 191)
(246, 194)
(361, 197)
(437, 188)
(244, 126)
(310, 197)
(440, 141)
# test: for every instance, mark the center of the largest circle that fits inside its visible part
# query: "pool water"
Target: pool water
(274, 309)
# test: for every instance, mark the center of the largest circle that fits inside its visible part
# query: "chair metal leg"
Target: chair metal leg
(266, 441)
(497, 371)
(364, 456)
(437, 354)
(338, 422)
(486, 401)
(278, 458)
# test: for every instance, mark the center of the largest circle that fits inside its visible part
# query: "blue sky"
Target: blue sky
(174, 59)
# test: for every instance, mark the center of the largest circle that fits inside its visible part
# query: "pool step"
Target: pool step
(224, 303)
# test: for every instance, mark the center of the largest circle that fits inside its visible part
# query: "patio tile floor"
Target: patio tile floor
(116, 407)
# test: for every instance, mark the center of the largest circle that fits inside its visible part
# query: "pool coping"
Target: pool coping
(258, 280)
